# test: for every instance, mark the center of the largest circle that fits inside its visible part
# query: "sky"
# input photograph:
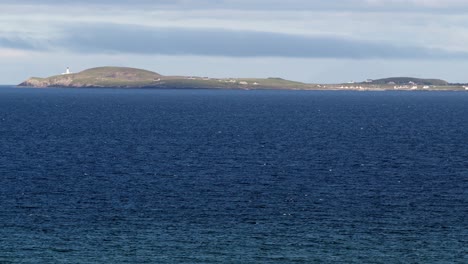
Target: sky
(313, 41)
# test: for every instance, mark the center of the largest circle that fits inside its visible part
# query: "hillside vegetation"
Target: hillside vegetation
(98, 77)
(410, 80)
(123, 77)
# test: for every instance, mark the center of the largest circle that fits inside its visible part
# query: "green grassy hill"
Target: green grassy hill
(409, 80)
(98, 77)
(122, 77)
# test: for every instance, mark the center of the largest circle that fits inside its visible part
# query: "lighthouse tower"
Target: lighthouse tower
(67, 71)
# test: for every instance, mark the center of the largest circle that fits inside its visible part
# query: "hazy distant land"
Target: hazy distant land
(124, 77)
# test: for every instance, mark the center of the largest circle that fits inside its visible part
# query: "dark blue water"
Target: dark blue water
(186, 176)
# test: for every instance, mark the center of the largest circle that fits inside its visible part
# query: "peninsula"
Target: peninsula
(124, 77)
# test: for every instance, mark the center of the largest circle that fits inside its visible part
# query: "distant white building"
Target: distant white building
(67, 71)
(243, 83)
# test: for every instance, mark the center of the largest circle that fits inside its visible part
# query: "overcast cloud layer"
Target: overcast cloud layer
(409, 32)
(269, 4)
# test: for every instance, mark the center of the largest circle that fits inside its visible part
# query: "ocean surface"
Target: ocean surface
(205, 176)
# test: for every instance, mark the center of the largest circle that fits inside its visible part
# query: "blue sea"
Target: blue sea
(211, 176)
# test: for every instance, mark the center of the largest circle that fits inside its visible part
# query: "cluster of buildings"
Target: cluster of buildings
(198, 78)
(379, 87)
(228, 81)
(352, 87)
(409, 87)
(233, 81)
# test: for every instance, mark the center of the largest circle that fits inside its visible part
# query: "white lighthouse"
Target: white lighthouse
(67, 71)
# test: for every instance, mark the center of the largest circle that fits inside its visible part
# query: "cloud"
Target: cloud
(21, 43)
(366, 20)
(413, 35)
(107, 38)
(12, 53)
(419, 3)
(311, 5)
(131, 39)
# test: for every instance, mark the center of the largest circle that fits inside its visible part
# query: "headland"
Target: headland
(124, 77)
